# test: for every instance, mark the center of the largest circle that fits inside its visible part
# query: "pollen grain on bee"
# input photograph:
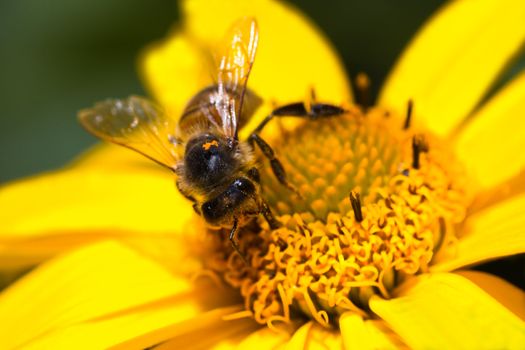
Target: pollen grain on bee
(207, 145)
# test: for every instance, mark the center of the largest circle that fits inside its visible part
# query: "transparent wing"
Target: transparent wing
(138, 124)
(234, 66)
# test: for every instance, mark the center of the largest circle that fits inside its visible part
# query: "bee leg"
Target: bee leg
(310, 111)
(277, 167)
(253, 174)
(264, 208)
(268, 215)
(232, 240)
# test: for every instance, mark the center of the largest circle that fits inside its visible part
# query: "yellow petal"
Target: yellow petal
(109, 156)
(453, 61)
(173, 71)
(264, 338)
(86, 200)
(502, 191)
(98, 282)
(491, 143)
(139, 330)
(494, 232)
(92, 200)
(284, 69)
(19, 255)
(320, 338)
(447, 311)
(508, 295)
(299, 339)
(205, 331)
(362, 335)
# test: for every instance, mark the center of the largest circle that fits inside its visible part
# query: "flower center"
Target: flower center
(377, 202)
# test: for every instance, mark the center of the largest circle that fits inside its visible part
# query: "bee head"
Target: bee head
(208, 160)
(226, 204)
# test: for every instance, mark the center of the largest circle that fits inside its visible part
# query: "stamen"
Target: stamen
(419, 145)
(362, 83)
(408, 118)
(356, 206)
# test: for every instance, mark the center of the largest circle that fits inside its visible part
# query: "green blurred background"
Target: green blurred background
(58, 56)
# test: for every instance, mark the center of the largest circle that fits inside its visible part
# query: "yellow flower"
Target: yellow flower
(133, 267)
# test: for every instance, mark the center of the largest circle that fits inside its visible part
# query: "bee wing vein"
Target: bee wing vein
(138, 124)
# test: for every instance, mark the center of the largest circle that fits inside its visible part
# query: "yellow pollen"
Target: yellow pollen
(206, 146)
(371, 214)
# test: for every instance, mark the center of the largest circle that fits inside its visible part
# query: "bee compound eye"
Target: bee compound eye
(244, 185)
(212, 211)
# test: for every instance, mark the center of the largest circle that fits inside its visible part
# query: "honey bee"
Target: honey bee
(214, 169)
